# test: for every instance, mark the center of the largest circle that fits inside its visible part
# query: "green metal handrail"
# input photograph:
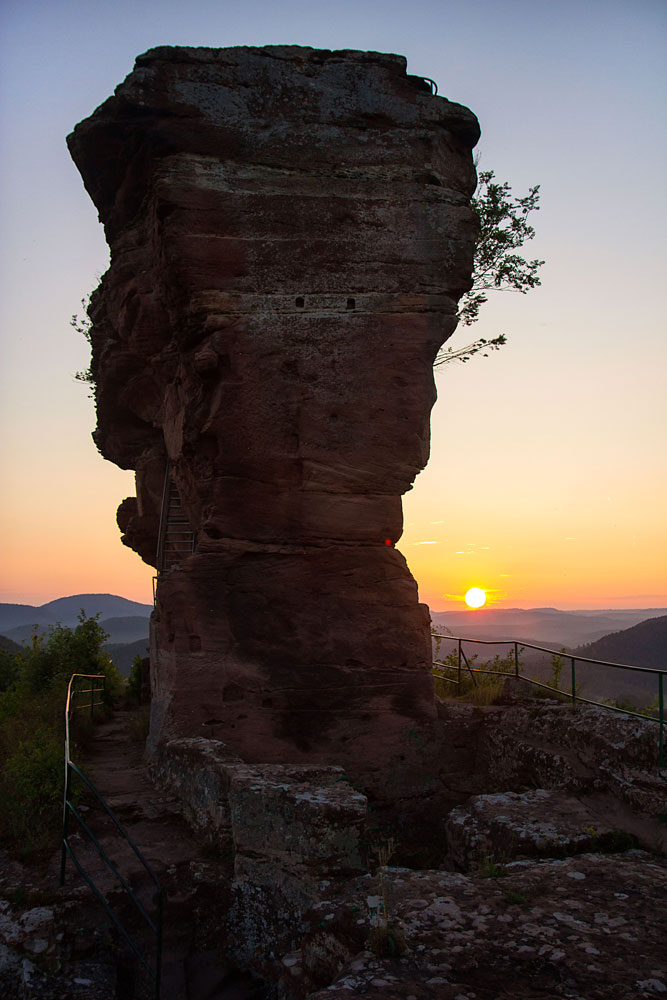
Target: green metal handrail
(154, 924)
(661, 674)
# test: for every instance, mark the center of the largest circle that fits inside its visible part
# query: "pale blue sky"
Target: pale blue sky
(550, 453)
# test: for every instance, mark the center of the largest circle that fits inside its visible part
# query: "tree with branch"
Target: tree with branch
(504, 228)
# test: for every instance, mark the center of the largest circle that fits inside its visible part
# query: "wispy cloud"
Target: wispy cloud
(642, 597)
(424, 543)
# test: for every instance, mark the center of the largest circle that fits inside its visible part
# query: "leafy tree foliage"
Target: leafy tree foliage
(83, 325)
(52, 660)
(497, 266)
(33, 684)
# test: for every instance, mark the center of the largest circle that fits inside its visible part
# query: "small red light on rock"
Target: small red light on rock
(387, 541)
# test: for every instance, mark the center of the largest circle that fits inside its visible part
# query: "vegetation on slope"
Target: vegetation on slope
(33, 686)
(644, 645)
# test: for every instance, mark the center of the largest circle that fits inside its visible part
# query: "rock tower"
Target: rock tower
(290, 233)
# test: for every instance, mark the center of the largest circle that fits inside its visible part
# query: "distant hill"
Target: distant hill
(125, 622)
(644, 645)
(123, 654)
(541, 626)
(9, 644)
(66, 610)
(119, 630)
(641, 641)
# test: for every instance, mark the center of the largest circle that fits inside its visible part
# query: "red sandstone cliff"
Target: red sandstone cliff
(290, 232)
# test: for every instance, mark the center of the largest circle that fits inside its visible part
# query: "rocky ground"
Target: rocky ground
(589, 927)
(544, 892)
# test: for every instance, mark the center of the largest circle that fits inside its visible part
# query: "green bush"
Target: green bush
(9, 670)
(32, 730)
(32, 791)
(133, 689)
(489, 868)
(476, 686)
(51, 660)
(626, 704)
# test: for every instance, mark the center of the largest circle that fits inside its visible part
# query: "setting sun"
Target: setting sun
(475, 597)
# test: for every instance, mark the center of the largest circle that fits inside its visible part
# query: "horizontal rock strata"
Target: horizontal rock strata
(290, 233)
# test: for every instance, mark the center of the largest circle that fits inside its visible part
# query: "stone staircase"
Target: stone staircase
(79, 952)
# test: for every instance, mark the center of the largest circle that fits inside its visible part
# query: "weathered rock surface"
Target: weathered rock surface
(538, 823)
(590, 928)
(294, 891)
(588, 750)
(290, 232)
(488, 925)
(307, 817)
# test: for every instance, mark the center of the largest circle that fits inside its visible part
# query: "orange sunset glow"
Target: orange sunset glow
(547, 478)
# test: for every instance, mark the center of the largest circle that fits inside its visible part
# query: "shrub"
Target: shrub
(513, 898)
(9, 670)
(133, 689)
(476, 686)
(32, 791)
(32, 730)
(490, 869)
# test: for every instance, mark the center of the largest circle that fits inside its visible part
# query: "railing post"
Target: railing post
(92, 698)
(574, 683)
(661, 710)
(158, 956)
(68, 781)
(163, 517)
(516, 659)
(459, 667)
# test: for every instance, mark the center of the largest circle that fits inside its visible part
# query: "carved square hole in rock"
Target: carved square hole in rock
(299, 302)
(232, 692)
(351, 304)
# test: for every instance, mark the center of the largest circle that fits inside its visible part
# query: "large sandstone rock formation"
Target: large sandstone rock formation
(290, 232)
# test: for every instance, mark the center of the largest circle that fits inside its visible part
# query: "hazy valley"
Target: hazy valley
(633, 636)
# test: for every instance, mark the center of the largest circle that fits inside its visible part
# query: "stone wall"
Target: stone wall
(537, 885)
(290, 233)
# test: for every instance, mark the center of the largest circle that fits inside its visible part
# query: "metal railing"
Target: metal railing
(69, 809)
(159, 556)
(175, 535)
(572, 693)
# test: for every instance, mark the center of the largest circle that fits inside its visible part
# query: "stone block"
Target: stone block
(308, 817)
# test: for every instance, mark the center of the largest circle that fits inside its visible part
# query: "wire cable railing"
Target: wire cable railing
(154, 923)
(571, 694)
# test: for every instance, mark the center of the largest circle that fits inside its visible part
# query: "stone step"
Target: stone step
(541, 823)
